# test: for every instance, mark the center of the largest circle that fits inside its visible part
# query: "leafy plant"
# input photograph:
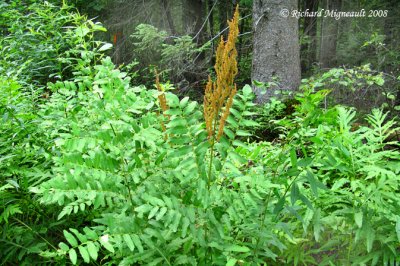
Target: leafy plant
(148, 193)
(45, 42)
(176, 56)
(26, 229)
(95, 170)
(361, 177)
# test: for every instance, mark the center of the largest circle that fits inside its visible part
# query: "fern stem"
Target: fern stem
(208, 194)
(127, 184)
(162, 254)
(211, 163)
(262, 223)
(123, 174)
(27, 226)
(350, 248)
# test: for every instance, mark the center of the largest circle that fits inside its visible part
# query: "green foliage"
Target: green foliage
(357, 212)
(360, 87)
(45, 42)
(23, 163)
(147, 191)
(41, 42)
(97, 173)
(176, 56)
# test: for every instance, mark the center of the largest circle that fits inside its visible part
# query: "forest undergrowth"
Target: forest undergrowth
(95, 169)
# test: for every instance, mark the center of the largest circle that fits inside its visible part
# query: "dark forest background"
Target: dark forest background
(324, 42)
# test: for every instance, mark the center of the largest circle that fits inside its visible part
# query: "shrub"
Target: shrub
(178, 57)
(43, 42)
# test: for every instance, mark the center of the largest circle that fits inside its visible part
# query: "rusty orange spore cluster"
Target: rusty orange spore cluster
(219, 94)
(163, 101)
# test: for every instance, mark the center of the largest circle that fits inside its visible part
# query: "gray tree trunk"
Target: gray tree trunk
(309, 50)
(329, 35)
(193, 16)
(169, 17)
(276, 51)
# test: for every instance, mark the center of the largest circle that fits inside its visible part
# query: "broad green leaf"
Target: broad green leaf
(304, 162)
(153, 212)
(237, 158)
(105, 47)
(82, 238)
(249, 123)
(160, 158)
(106, 244)
(185, 225)
(84, 254)
(247, 91)
(314, 183)
(317, 224)
(92, 249)
(279, 205)
(235, 112)
(237, 248)
(243, 133)
(73, 256)
(137, 242)
(184, 102)
(175, 223)
(305, 201)
(63, 246)
(129, 242)
(189, 109)
(294, 194)
(173, 100)
(339, 183)
(370, 239)
(398, 226)
(90, 233)
(232, 121)
(229, 133)
(358, 218)
(180, 140)
(161, 213)
(181, 151)
(238, 143)
(231, 262)
(177, 122)
(293, 158)
(70, 238)
(153, 200)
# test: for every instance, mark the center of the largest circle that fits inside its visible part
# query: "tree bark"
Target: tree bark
(169, 17)
(276, 51)
(223, 15)
(210, 5)
(193, 16)
(329, 35)
(309, 50)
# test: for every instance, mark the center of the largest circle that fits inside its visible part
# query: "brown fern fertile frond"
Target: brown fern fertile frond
(161, 96)
(163, 102)
(219, 94)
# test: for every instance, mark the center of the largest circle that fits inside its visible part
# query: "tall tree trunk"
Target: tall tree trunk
(200, 28)
(242, 29)
(211, 10)
(276, 51)
(193, 17)
(210, 4)
(169, 16)
(309, 50)
(329, 35)
(223, 15)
